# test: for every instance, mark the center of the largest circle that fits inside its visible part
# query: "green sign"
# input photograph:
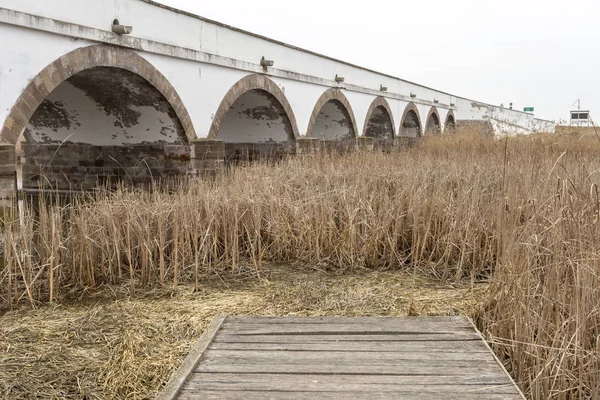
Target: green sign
(529, 109)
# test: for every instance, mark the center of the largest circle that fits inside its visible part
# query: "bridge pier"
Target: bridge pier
(307, 145)
(208, 156)
(365, 143)
(249, 152)
(7, 174)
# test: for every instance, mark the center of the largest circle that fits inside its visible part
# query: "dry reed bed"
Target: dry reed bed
(523, 211)
(110, 345)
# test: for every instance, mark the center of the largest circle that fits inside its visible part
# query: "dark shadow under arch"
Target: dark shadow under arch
(450, 124)
(410, 125)
(379, 122)
(332, 118)
(433, 125)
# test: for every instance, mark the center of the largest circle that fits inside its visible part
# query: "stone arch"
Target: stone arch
(410, 125)
(433, 125)
(379, 122)
(450, 124)
(98, 114)
(255, 120)
(333, 103)
(249, 83)
(80, 60)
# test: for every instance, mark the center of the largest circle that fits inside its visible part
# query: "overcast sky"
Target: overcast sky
(539, 53)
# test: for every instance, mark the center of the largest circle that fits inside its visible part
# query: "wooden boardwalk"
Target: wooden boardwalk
(341, 358)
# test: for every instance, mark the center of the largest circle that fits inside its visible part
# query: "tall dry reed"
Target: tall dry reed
(522, 212)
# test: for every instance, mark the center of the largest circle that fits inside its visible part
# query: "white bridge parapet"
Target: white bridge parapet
(203, 59)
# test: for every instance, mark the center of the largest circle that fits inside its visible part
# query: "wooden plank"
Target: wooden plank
(348, 320)
(350, 387)
(353, 383)
(517, 388)
(339, 329)
(343, 362)
(405, 368)
(172, 388)
(320, 338)
(342, 357)
(266, 395)
(400, 347)
(371, 325)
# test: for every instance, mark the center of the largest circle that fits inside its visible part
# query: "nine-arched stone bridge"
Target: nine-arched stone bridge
(82, 99)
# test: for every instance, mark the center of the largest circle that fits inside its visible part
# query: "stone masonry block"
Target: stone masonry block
(7, 170)
(307, 145)
(208, 149)
(365, 143)
(8, 187)
(7, 154)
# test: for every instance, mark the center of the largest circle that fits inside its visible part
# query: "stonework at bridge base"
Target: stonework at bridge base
(7, 174)
(340, 146)
(208, 157)
(307, 145)
(244, 152)
(365, 143)
(78, 166)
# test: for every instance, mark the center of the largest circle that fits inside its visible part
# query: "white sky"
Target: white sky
(541, 53)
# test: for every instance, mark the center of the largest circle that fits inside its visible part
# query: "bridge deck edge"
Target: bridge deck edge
(180, 376)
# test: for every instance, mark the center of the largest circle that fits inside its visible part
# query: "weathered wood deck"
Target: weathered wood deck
(341, 358)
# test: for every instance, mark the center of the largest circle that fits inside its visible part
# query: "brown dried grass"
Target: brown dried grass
(522, 212)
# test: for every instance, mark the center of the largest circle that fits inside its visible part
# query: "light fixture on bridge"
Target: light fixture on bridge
(339, 79)
(266, 63)
(452, 105)
(436, 101)
(383, 88)
(413, 95)
(121, 29)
